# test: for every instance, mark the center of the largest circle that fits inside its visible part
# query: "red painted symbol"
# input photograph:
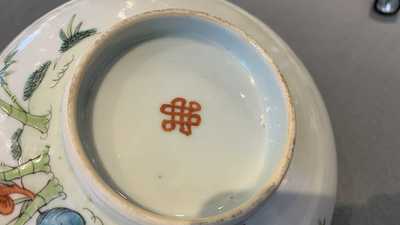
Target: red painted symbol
(182, 114)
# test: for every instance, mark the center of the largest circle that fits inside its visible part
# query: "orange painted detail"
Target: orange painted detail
(183, 114)
(7, 204)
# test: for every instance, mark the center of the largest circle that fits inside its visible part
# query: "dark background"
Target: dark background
(354, 57)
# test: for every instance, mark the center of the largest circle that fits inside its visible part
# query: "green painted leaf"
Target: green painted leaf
(7, 65)
(78, 28)
(16, 150)
(76, 38)
(9, 58)
(62, 35)
(8, 61)
(70, 26)
(71, 35)
(35, 79)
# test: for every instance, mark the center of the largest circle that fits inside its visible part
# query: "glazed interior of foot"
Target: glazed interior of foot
(183, 117)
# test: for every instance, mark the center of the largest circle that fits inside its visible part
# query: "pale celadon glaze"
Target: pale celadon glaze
(305, 197)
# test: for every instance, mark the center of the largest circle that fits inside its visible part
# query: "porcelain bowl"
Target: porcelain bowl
(128, 34)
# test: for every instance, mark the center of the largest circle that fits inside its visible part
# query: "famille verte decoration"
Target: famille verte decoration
(13, 192)
(182, 114)
(14, 109)
(35, 205)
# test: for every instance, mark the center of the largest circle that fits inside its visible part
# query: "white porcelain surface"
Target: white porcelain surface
(307, 194)
(241, 97)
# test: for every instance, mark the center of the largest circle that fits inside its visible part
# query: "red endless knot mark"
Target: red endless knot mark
(183, 115)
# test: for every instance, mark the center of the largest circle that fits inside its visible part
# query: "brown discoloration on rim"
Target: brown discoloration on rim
(103, 194)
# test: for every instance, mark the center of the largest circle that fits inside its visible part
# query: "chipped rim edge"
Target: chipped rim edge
(100, 192)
